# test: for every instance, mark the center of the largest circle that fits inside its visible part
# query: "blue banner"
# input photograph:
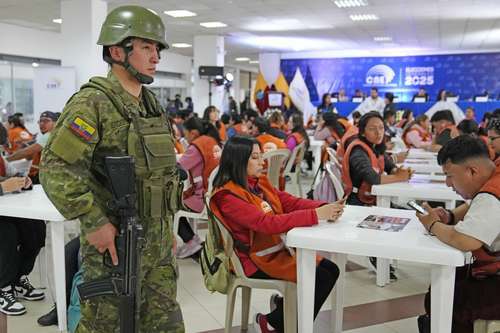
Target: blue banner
(465, 75)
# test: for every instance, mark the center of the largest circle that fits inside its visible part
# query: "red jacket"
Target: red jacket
(242, 217)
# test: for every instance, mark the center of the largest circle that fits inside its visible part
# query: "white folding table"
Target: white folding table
(343, 238)
(35, 205)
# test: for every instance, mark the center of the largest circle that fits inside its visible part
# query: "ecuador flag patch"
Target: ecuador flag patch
(83, 129)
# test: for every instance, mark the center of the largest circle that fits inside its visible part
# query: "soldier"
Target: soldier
(117, 115)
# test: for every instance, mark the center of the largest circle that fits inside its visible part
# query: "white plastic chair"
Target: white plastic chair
(275, 161)
(332, 155)
(193, 215)
(295, 158)
(486, 326)
(240, 280)
(336, 180)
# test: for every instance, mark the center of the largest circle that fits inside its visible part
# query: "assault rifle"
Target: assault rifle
(124, 280)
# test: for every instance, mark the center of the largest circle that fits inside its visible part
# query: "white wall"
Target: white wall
(28, 42)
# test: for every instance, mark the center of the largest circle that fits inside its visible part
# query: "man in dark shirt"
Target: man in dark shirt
(443, 124)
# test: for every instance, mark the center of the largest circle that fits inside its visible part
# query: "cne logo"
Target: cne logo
(380, 75)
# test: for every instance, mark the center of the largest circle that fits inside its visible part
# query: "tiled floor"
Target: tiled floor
(371, 309)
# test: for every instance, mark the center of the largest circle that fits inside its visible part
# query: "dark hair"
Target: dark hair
(494, 125)
(443, 115)
(389, 96)
(225, 118)
(462, 148)
(298, 126)
(16, 120)
(203, 127)
(323, 99)
(234, 161)
(468, 126)
(487, 116)
(206, 115)
(380, 148)
(275, 116)
(356, 114)
(406, 114)
(236, 118)
(374, 89)
(332, 122)
(440, 92)
(261, 124)
(389, 113)
(496, 113)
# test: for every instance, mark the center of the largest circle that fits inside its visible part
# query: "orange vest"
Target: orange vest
(265, 138)
(222, 131)
(424, 135)
(34, 164)
(488, 263)
(365, 189)
(267, 252)
(3, 169)
(179, 148)
(352, 131)
(240, 128)
(210, 152)
(17, 137)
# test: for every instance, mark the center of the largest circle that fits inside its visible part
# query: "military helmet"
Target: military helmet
(132, 21)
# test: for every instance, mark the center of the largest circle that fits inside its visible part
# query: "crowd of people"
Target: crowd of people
(119, 115)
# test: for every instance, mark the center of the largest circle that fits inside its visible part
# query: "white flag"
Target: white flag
(299, 94)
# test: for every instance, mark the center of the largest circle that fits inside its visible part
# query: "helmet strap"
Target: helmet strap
(127, 47)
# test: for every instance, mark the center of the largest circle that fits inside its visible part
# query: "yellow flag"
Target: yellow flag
(282, 86)
(260, 86)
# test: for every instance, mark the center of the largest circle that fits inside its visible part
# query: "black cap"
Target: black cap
(49, 114)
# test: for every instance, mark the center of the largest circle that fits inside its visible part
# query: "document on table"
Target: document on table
(385, 223)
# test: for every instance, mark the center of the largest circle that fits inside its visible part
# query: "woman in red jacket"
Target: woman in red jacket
(251, 209)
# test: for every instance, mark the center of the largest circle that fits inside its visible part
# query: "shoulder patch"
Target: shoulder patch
(81, 128)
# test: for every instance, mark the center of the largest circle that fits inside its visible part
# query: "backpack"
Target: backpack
(325, 190)
(214, 262)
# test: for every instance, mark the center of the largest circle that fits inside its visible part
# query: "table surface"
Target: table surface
(32, 204)
(412, 243)
(418, 188)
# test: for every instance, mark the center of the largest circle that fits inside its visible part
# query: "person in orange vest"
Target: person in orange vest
(470, 127)
(21, 242)
(443, 124)
(18, 134)
(256, 214)
(200, 159)
(277, 124)
(406, 119)
(469, 227)
(298, 133)
(33, 152)
(261, 133)
(236, 126)
(211, 115)
(493, 136)
(416, 134)
(365, 162)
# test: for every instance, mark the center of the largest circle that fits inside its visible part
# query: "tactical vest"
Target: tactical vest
(487, 263)
(267, 252)
(424, 135)
(151, 143)
(364, 191)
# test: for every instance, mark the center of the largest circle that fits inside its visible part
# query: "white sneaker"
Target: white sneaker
(24, 289)
(8, 303)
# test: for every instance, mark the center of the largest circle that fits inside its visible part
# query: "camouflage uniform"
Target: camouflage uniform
(101, 120)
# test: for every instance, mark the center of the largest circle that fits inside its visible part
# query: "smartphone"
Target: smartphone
(416, 207)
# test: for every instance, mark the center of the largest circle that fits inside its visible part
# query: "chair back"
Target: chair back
(275, 162)
(295, 158)
(211, 180)
(332, 155)
(333, 173)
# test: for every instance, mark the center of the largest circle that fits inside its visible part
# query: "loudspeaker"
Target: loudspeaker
(206, 71)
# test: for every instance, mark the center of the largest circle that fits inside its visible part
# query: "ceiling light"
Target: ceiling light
(181, 45)
(35, 64)
(242, 59)
(364, 17)
(229, 77)
(253, 62)
(57, 20)
(179, 13)
(350, 3)
(213, 24)
(382, 39)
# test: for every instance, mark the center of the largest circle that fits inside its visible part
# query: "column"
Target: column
(207, 51)
(81, 25)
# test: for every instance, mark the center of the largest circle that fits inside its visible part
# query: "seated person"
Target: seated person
(298, 133)
(389, 123)
(326, 104)
(493, 136)
(211, 115)
(469, 227)
(33, 152)
(421, 93)
(443, 124)
(406, 119)
(18, 135)
(331, 128)
(247, 204)
(199, 160)
(416, 134)
(365, 162)
(236, 126)
(277, 125)
(356, 116)
(470, 114)
(261, 132)
(21, 242)
(483, 125)
(389, 103)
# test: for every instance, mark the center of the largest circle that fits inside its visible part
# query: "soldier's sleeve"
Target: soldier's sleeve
(66, 159)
